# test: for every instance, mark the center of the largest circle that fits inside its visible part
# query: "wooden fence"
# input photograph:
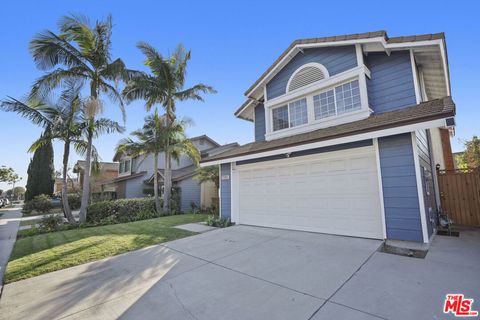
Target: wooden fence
(460, 195)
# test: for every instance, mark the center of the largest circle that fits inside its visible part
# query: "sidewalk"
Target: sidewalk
(9, 222)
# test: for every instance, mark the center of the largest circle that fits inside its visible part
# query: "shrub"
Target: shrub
(121, 210)
(218, 222)
(74, 201)
(50, 223)
(41, 203)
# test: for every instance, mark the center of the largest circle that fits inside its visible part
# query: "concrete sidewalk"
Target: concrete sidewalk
(9, 222)
(255, 273)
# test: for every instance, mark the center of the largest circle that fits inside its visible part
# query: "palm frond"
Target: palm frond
(33, 111)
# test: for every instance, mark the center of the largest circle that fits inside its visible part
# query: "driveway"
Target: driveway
(255, 273)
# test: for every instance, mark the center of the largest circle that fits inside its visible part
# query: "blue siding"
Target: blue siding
(189, 193)
(427, 171)
(260, 123)
(225, 191)
(335, 59)
(391, 86)
(402, 210)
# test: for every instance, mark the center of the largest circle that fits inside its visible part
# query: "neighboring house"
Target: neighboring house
(72, 186)
(135, 178)
(348, 132)
(101, 183)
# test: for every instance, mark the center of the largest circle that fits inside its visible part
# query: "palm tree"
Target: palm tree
(80, 52)
(61, 120)
(210, 173)
(156, 137)
(164, 86)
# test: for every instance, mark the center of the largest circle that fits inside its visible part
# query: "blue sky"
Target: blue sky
(232, 43)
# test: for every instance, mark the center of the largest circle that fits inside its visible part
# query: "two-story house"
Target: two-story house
(348, 132)
(135, 175)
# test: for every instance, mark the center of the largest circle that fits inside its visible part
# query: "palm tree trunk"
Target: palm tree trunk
(155, 184)
(66, 206)
(86, 180)
(167, 183)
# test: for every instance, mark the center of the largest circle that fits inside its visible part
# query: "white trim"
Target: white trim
(421, 201)
(320, 66)
(313, 125)
(234, 201)
(380, 187)
(220, 190)
(386, 46)
(359, 53)
(418, 95)
(445, 67)
(318, 86)
(358, 137)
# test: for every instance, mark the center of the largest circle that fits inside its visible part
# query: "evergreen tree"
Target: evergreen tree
(41, 177)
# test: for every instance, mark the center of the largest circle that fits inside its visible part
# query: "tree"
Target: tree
(13, 179)
(41, 179)
(165, 86)
(471, 156)
(210, 173)
(19, 191)
(81, 52)
(156, 137)
(63, 118)
(5, 173)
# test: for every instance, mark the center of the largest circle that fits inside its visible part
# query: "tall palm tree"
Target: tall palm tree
(61, 120)
(156, 137)
(165, 85)
(82, 52)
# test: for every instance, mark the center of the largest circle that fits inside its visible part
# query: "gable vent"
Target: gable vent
(307, 75)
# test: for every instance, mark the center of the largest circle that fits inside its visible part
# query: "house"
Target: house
(348, 132)
(72, 186)
(135, 175)
(100, 182)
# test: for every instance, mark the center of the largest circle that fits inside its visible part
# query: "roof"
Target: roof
(130, 176)
(346, 37)
(104, 166)
(179, 174)
(425, 111)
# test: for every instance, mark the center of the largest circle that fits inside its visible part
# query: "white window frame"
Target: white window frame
(334, 100)
(288, 115)
(320, 66)
(359, 73)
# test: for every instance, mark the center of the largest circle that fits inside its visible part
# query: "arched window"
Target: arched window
(307, 74)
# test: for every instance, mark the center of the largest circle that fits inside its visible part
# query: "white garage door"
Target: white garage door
(335, 192)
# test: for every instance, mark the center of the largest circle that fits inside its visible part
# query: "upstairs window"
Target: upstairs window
(339, 100)
(307, 74)
(291, 115)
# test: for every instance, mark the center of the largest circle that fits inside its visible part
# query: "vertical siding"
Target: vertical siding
(424, 155)
(225, 191)
(391, 85)
(402, 211)
(335, 59)
(260, 123)
(190, 192)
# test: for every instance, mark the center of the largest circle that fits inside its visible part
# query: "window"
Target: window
(339, 100)
(307, 74)
(292, 115)
(280, 118)
(298, 112)
(127, 165)
(120, 168)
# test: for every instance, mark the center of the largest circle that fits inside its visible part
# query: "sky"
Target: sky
(232, 43)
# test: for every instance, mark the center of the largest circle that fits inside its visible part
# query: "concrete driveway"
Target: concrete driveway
(255, 273)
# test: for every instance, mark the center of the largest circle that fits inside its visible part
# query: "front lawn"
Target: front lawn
(36, 255)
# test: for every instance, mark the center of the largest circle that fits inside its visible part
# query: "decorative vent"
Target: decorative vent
(306, 75)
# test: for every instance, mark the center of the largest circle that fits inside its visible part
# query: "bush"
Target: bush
(50, 223)
(41, 203)
(218, 222)
(74, 201)
(121, 211)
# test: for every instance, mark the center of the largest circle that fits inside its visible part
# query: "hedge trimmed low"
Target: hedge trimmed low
(122, 210)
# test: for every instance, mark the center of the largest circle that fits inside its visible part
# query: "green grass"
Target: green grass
(36, 255)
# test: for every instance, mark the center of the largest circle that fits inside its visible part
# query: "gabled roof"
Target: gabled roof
(254, 95)
(423, 112)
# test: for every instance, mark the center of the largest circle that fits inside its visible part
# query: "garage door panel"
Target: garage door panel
(331, 193)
